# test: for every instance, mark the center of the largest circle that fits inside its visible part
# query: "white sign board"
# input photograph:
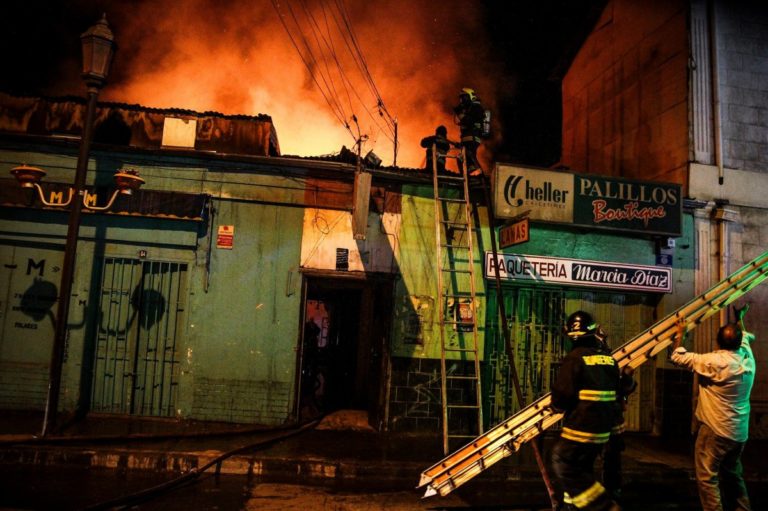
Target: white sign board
(577, 272)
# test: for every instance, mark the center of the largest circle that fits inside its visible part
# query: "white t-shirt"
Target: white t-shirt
(724, 387)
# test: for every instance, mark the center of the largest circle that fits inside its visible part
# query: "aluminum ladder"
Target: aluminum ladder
(508, 436)
(460, 391)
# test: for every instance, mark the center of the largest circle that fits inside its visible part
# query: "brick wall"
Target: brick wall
(241, 401)
(743, 54)
(23, 386)
(625, 110)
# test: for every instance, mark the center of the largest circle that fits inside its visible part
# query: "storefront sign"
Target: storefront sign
(577, 272)
(514, 234)
(584, 200)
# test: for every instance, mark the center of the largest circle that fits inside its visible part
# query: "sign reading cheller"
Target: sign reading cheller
(594, 201)
(578, 272)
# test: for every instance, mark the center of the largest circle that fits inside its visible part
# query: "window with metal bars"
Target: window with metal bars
(535, 317)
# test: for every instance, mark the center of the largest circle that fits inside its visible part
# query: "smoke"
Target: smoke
(236, 57)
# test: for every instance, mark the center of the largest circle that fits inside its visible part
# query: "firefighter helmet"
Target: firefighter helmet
(729, 337)
(470, 93)
(580, 323)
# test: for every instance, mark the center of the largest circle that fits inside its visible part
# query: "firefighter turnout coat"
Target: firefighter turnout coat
(586, 390)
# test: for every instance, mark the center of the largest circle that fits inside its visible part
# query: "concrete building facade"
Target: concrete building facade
(677, 91)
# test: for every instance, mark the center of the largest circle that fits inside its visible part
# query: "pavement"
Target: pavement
(341, 449)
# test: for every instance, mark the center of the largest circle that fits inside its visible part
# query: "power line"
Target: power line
(317, 63)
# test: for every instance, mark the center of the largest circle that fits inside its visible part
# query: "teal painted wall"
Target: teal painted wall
(239, 316)
(244, 329)
(239, 326)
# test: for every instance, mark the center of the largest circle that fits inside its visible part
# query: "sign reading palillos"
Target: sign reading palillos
(586, 200)
(578, 272)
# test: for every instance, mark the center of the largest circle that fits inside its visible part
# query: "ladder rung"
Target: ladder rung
(446, 199)
(450, 377)
(525, 425)
(450, 270)
(462, 350)
(445, 245)
(448, 295)
(463, 407)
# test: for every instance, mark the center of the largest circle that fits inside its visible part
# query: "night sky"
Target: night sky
(528, 46)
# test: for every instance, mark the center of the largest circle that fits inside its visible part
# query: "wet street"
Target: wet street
(38, 488)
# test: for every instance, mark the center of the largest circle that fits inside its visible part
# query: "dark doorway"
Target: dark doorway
(346, 325)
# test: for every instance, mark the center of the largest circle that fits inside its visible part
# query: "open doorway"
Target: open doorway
(343, 349)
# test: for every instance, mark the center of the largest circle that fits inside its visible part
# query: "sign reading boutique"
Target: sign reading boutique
(577, 272)
(586, 200)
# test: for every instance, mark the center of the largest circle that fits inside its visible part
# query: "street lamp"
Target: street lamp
(126, 181)
(98, 49)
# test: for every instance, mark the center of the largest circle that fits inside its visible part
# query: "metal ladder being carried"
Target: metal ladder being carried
(462, 416)
(508, 436)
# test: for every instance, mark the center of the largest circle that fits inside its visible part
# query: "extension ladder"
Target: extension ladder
(461, 407)
(508, 436)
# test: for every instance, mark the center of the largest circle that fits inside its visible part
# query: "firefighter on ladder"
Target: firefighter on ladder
(470, 116)
(441, 145)
(586, 391)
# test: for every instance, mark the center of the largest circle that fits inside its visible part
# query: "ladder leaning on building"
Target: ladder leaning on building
(461, 406)
(457, 312)
(508, 436)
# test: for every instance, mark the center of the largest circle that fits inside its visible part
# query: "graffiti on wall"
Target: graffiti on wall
(36, 302)
(147, 306)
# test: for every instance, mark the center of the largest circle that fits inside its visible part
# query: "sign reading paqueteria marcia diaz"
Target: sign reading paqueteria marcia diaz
(592, 201)
(578, 272)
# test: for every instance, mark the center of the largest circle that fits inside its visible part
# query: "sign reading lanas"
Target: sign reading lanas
(586, 200)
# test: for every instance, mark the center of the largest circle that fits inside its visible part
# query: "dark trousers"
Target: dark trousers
(470, 151)
(612, 479)
(573, 464)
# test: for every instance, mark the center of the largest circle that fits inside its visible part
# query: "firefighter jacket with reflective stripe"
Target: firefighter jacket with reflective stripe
(470, 118)
(586, 390)
(627, 386)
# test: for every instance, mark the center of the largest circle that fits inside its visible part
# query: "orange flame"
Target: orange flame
(238, 59)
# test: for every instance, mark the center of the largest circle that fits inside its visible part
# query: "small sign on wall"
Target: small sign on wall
(225, 237)
(342, 259)
(514, 234)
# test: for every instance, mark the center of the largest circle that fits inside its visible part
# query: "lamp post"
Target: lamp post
(98, 48)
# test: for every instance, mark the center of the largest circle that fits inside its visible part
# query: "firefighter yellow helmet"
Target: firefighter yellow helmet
(470, 93)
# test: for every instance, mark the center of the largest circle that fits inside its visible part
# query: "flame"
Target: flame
(239, 59)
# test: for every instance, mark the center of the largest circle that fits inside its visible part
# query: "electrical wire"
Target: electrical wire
(361, 57)
(314, 41)
(309, 68)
